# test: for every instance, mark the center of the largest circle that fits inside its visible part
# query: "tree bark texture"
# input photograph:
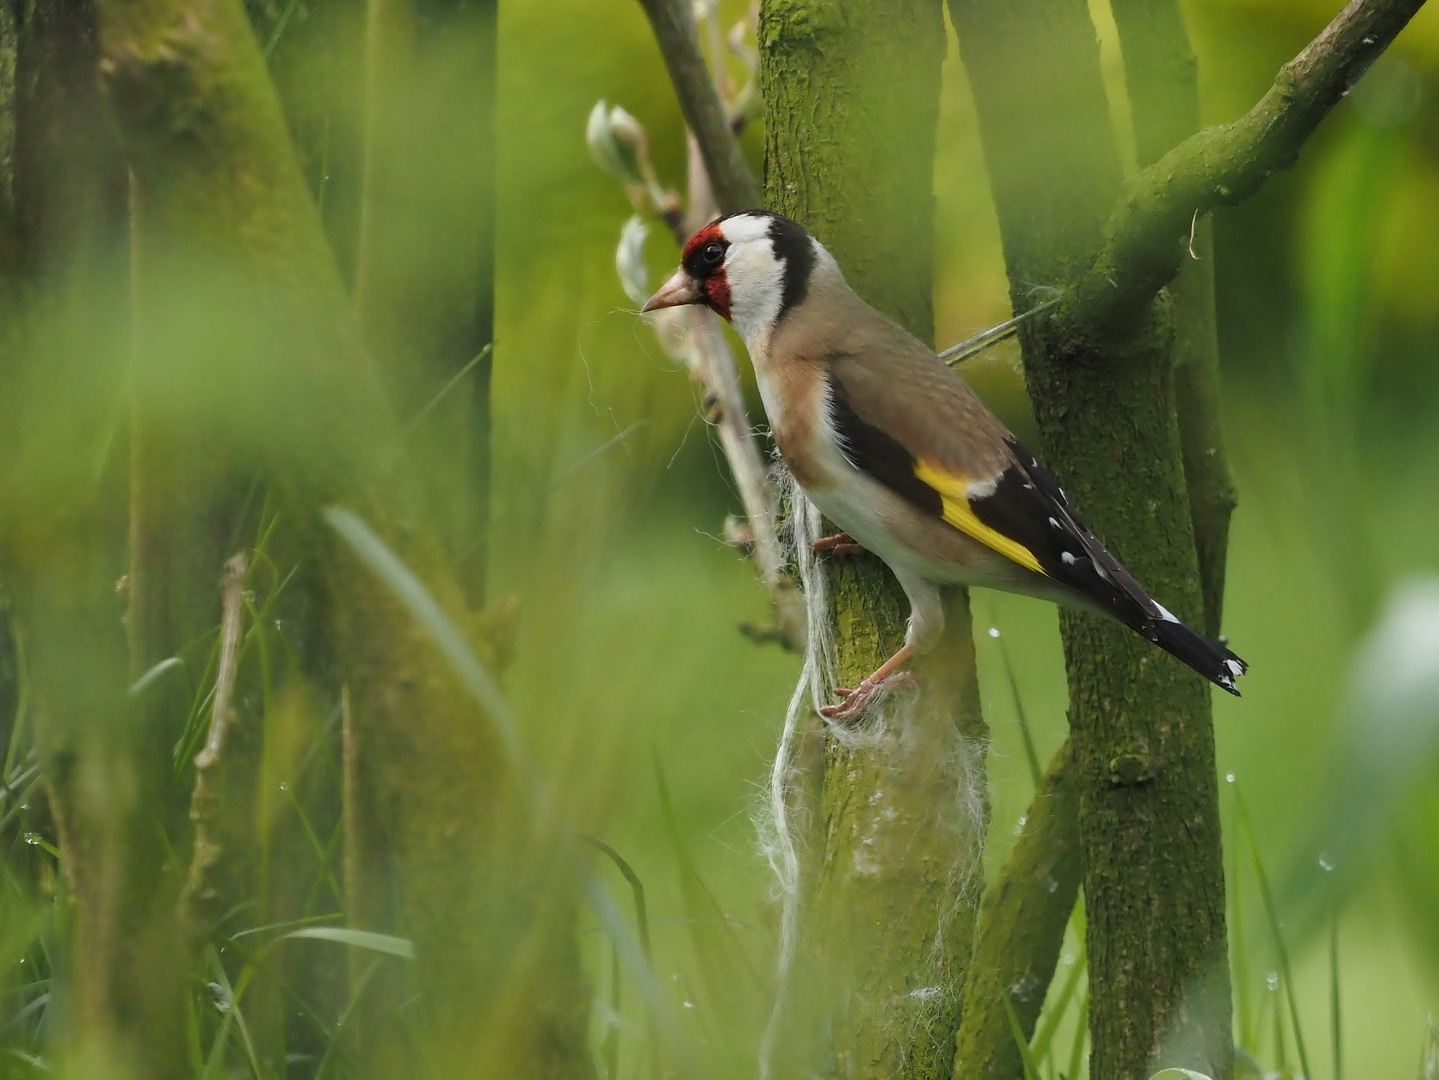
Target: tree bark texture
(69, 180)
(851, 103)
(276, 364)
(424, 284)
(1021, 930)
(1141, 727)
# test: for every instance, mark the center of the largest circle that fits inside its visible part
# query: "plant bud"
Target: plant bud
(630, 259)
(616, 142)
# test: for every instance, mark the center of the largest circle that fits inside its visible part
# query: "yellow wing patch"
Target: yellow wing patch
(954, 491)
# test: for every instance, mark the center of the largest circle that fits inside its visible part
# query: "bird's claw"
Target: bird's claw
(855, 703)
(839, 544)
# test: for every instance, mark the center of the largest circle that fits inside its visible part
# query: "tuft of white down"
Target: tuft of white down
(777, 832)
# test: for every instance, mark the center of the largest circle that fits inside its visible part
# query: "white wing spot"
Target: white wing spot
(1235, 666)
(1054, 523)
(1067, 558)
(1164, 613)
(983, 489)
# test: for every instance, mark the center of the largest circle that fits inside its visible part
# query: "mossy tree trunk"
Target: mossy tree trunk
(118, 1002)
(851, 95)
(278, 369)
(1141, 724)
(424, 298)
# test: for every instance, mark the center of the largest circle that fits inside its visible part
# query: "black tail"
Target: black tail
(1205, 655)
(1029, 506)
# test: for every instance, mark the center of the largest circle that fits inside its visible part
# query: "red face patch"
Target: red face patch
(699, 239)
(704, 260)
(716, 289)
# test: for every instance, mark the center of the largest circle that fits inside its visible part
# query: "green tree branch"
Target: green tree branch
(1146, 238)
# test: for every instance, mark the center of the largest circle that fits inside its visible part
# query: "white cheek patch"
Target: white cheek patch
(755, 277)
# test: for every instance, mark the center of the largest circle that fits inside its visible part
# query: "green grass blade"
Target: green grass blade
(360, 939)
(356, 993)
(449, 386)
(637, 889)
(215, 1063)
(1272, 915)
(290, 924)
(1031, 1067)
(233, 995)
(280, 26)
(642, 924)
(631, 956)
(411, 592)
(729, 973)
(610, 1050)
(1429, 1057)
(22, 706)
(321, 851)
(1243, 1005)
(1057, 1008)
(1081, 1032)
(1336, 1020)
(145, 682)
(1036, 773)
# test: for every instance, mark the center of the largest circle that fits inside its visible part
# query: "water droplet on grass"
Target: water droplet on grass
(1229, 778)
(1272, 980)
(994, 631)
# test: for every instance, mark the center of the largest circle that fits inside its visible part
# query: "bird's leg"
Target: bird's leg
(926, 624)
(857, 700)
(838, 544)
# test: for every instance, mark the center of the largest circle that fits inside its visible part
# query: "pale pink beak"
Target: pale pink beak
(679, 289)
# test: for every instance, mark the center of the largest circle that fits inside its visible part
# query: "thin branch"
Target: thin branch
(734, 185)
(207, 803)
(1224, 165)
(959, 353)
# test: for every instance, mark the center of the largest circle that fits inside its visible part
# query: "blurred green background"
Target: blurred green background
(1328, 308)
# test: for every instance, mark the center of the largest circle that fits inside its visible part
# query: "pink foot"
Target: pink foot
(839, 544)
(855, 703)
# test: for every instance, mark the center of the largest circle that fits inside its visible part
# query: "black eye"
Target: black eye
(711, 255)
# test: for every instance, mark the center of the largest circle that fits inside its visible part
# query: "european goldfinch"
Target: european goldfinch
(894, 448)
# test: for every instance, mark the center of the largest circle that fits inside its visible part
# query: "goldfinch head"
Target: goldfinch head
(750, 267)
